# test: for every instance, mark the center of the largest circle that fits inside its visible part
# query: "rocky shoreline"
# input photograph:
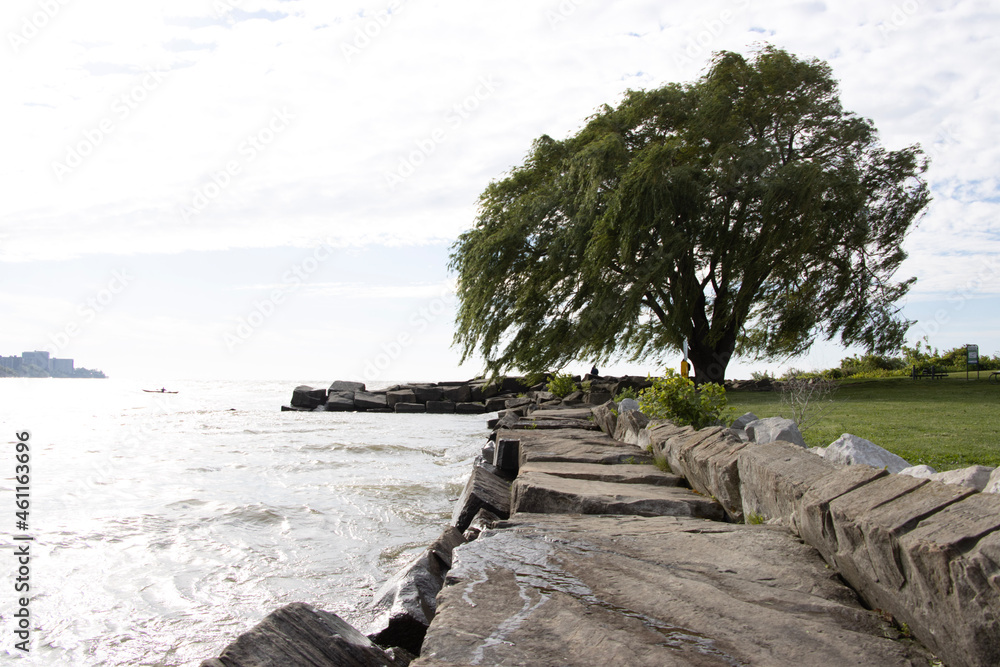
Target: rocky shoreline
(568, 547)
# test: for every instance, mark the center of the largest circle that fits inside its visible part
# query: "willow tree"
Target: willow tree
(746, 212)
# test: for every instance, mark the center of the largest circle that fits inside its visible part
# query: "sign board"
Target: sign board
(972, 354)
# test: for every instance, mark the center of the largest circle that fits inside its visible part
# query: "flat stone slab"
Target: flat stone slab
(548, 494)
(588, 590)
(562, 413)
(618, 473)
(548, 423)
(575, 446)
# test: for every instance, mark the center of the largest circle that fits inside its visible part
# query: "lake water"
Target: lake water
(166, 525)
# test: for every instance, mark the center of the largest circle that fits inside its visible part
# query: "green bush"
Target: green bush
(561, 384)
(627, 392)
(675, 398)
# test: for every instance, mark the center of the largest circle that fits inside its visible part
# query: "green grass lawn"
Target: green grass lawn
(946, 423)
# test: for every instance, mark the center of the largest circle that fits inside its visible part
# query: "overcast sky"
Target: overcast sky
(241, 188)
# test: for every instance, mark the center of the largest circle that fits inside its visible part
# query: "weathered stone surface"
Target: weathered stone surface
(458, 394)
(627, 405)
(850, 449)
(512, 403)
(305, 396)
(483, 520)
(547, 494)
(597, 397)
(291, 408)
(299, 634)
(343, 385)
(532, 423)
(441, 407)
(712, 468)
(813, 508)
(674, 448)
(506, 456)
(514, 385)
(952, 597)
(629, 425)
(993, 485)
(606, 417)
(576, 446)
(744, 419)
(470, 408)
(583, 414)
(496, 403)
(400, 396)
(589, 590)
(620, 473)
(340, 401)
(921, 471)
(773, 477)
(409, 407)
(973, 477)
(483, 490)
(366, 400)
(424, 393)
(773, 429)
(405, 605)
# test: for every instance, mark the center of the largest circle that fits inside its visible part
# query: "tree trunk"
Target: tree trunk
(710, 362)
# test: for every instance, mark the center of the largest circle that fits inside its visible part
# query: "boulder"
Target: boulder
(712, 468)
(627, 404)
(306, 397)
(993, 485)
(425, 393)
(366, 400)
(483, 490)
(514, 385)
(290, 408)
(496, 403)
(506, 454)
(300, 634)
(973, 477)
(400, 396)
(521, 402)
(775, 476)
(852, 450)
(629, 425)
(617, 473)
(744, 419)
(340, 401)
(458, 394)
(410, 407)
(405, 605)
(343, 385)
(441, 407)
(606, 417)
(540, 493)
(597, 397)
(575, 446)
(773, 429)
(470, 408)
(920, 472)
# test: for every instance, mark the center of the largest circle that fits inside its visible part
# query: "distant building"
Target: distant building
(36, 358)
(13, 363)
(61, 366)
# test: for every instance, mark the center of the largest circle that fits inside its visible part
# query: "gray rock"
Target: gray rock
(424, 394)
(441, 407)
(458, 394)
(618, 473)
(496, 403)
(973, 477)
(576, 446)
(775, 476)
(993, 485)
(711, 465)
(920, 472)
(540, 493)
(483, 490)
(597, 397)
(512, 403)
(773, 429)
(744, 419)
(605, 417)
(400, 396)
(649, 592)
(365, 400)
(289, 408)
(340, 401)
(629, 425)
(306, 397)
(470, 408)
(506, 455)
(299, 634)
(405, 605)
(627, 404)
(343, 385)
(852, 450)
(410, 407)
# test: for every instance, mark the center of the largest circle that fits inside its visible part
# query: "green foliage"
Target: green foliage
(627, 392)
(561, 384)
(754, 519)
(675, 397)
(531, 379)
(660, 461)
(746, 210)
(586, 386)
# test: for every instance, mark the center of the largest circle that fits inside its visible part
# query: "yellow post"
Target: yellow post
(684, 368)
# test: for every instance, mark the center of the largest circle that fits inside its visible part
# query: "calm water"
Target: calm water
(166, 525)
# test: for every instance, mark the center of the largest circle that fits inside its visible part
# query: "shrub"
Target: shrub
(675, 398)
(561, 384)
(627, 392)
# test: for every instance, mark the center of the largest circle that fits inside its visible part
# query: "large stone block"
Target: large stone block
(458, 394)
(423, 394)
(306, 397)
(575, 446)
(470, 408)
(365, 400)
(606, 417)
(400, 396)
(344, 385)
(629, 425)
(973, 477)
(773, 429)
(713, 469)
(617, 473)
(410, 407)
(483, 490)
(540, 493)
(773, 477)
(299, 634)
(850, 449)
(441, 407)
(340, 401)
(675, 447)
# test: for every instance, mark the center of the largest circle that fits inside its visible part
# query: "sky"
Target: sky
(270, 189)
